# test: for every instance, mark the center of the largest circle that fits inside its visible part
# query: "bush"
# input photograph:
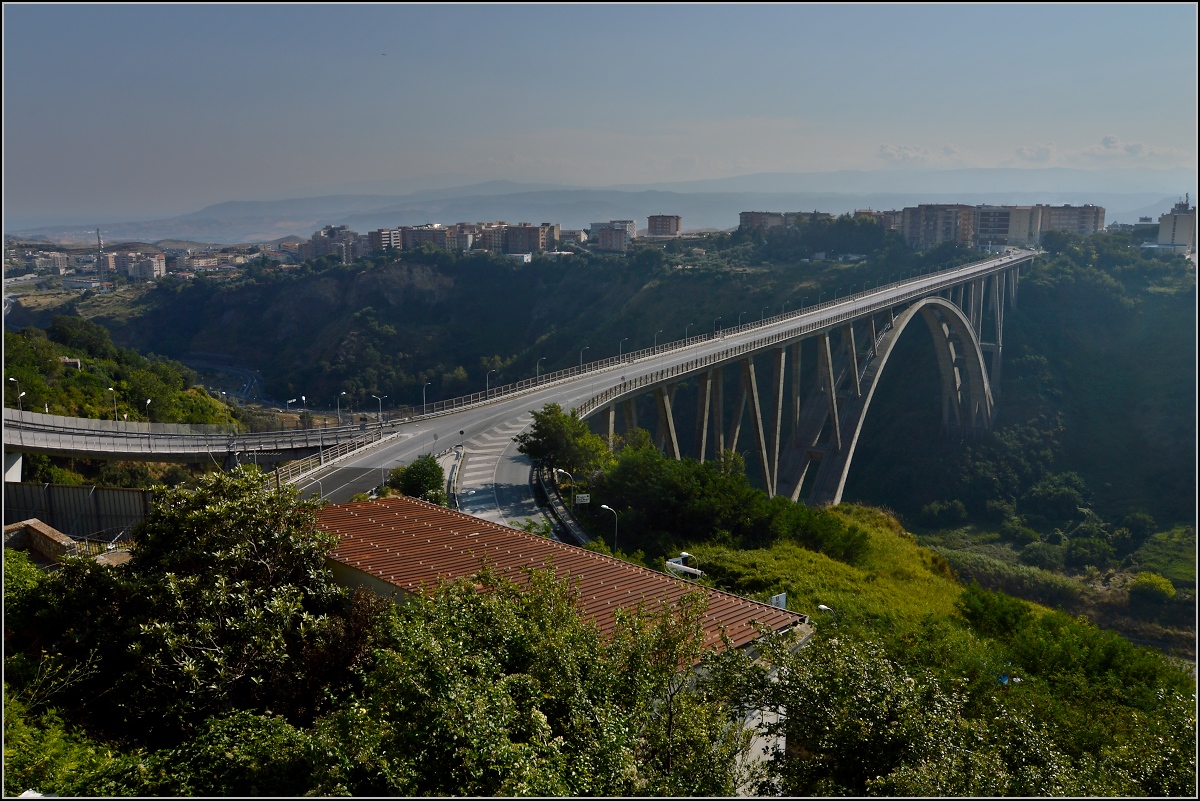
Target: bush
(1083, 551)
(1151, 588)
(423, 479)
(944, 514)
(1021, 535)
(1043, 555)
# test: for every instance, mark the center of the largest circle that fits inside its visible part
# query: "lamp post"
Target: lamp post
(585, 347)
(614, 514)
(740, 319)
(784, 309)
(656, 333)
(288, 404)
(486, 385)
(339, 408)
(427, 383)
(685, 330)
(537, 371)
(20, 405)
(114, 392)
(802, 299)
(148, 408)
(19, 392)
(376, 397)
(763, 314)
(570, 477)
(620, 345)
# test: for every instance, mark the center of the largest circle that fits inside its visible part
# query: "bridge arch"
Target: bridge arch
(967, 404)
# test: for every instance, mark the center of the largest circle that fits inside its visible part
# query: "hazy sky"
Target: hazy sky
(127, 112)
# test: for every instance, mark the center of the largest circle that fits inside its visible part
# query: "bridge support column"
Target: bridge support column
(13, 462)
(957, 299)
(703, 408)
(756, 423)
(852, 356)
(825, 380)
(719, 411)
(610, 424)
(778, 374)
(1012, 279)
(795, 394)
(630, 408)
(735, 427)
(666, 422)
(874, 335)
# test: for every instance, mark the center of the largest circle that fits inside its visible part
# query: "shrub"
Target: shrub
(1151, 588)
(1043, 555)
(944, 514)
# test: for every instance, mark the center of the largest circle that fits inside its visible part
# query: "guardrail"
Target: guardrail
(729, 354)
(273, 440)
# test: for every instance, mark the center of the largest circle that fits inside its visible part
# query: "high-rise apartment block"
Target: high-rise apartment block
(663, 225)
(1083, 220)
(1177, 228)
(526, 238)
(334, 240)
(932, 224)
(888, 220)
(997, 226)
(385, 238)
(615, 239)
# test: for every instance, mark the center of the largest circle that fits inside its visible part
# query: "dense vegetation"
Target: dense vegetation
(146, 388)
(260, 677)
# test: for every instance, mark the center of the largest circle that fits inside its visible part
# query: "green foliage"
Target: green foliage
(227, 604)
(1171, 554)
(42, 753)
(1033, 583)
(509, 692)
(423, 479)
(557, 439)
(993, 613)
(944, 514)
(664, 503)
(1151, 588)
(21, 577)
(32, 357)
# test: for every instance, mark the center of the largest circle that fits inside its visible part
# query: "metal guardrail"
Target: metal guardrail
(730, 354)
(208, 443)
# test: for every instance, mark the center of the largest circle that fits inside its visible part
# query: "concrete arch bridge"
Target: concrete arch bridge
(804, 424)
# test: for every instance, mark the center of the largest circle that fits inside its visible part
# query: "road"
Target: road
(499, 477)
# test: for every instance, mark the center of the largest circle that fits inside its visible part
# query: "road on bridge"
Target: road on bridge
(498, 477)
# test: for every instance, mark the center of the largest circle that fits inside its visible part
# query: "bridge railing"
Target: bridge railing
(299, 468)
(312, 437)
(503, 390)
(729, 354)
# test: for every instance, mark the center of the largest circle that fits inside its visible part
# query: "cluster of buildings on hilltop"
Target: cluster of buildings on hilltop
(992, 227)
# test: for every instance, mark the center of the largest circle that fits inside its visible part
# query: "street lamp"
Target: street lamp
(570, 477)
(784, 309)
(114, 392)
(740, 319)
(147, 408)
(288, 404)
(339, 408)
(819, 296)
(427, 383)
(685, 330)
(20, 405)
(585, 347)
(486, 385)
(620, 345)
(763, 313)
(19, 392)
(376, 397)
(656, 333)
(614, 514)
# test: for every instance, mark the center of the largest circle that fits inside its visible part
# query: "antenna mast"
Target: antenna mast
(99, 253)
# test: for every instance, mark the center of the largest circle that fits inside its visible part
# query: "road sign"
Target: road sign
(583, 497)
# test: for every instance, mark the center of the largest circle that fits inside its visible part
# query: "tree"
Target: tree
(423, 479)
(562, 440)
(509, 691)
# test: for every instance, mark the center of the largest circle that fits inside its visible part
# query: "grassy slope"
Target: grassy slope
(896, 585)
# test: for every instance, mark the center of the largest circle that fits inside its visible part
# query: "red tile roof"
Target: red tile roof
(413, 544)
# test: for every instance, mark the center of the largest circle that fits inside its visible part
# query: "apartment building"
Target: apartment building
(382, 239)
(629, 226)
(148, 267)
(1083, 220)
(998, 226)
(889, 220)
(663, 225)
(334, 240)
(931, 224)
(526, 238)
(613, 239)
(1177, 228)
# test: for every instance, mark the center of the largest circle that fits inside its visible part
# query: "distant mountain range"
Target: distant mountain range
(710, 204)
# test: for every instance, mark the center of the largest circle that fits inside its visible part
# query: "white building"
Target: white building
(1177, 228)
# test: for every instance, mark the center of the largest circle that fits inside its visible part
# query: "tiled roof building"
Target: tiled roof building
(403, 544)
